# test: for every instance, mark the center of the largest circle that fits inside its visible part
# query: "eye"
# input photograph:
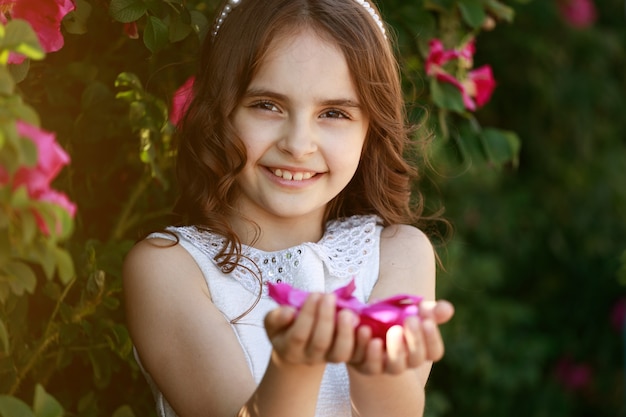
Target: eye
(334, 114)
(265, 105)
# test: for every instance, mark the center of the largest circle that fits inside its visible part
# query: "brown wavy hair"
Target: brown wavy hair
(210, 155)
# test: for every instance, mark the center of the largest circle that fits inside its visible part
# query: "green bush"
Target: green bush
(531, 182)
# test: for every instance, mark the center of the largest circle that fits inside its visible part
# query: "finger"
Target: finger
(396, 359)
(443, 311)
(416, 354)
(300, 332)
(432, 340)
(374, 357)
(440, 311)
(363, 336)
(427, 309)
(278, 319)
(323, 330)
(344, 341)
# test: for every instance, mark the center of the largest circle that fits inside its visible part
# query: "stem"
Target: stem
(124, 222)
(50, 336)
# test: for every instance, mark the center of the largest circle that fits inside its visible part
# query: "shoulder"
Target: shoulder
(153, 269)
(407, 262)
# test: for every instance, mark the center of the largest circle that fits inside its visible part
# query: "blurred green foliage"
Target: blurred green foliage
(536, 266)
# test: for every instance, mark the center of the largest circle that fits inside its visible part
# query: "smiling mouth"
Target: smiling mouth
(292, 176)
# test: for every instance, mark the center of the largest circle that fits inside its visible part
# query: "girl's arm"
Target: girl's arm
(391, 383)
(193, 355)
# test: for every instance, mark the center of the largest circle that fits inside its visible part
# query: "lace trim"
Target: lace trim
(343, 249)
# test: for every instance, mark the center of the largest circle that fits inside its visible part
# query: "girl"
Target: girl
(290, 170)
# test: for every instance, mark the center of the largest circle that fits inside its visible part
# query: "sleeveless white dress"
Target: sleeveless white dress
(350, 248)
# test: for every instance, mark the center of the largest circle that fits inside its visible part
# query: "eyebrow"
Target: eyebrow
(339, 102)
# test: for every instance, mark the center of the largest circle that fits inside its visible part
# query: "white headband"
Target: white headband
(234, 3)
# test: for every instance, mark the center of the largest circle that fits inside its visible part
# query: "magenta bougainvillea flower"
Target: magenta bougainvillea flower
(50, 160)
(438, 56)
(618, 315)
(480, 84)
(181, 99)
(477, 86)
(578, 13)
(573, 376)
(45, 18)
(379, 316)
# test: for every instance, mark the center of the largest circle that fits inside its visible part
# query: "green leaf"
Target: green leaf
(123, 411)
(199, 24)
(28, 153)
(7, 83)
(19, 71)
(128, 80)
(5, 291)
(45, 405)
(76, 21)
(447, 96)
(20, 277)
(19, 110)
(28, 226)
(13, 407)
(5, 245)
(155, 35)
(500, 10)
(21, 38)
(126, 11)
(473, 12)
(4, 338)
(439, 5)
(65, 265)
(501, 146)
(20, 199)
(180, 26)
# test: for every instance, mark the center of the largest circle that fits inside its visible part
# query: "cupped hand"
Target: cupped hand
(315, 334)
(408, 346)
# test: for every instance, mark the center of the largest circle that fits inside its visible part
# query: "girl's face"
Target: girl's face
(303, 127)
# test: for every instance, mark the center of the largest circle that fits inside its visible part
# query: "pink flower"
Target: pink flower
(181, 100)
(438, 56)
(578, 13)
(44, 16)
(618, 315)
(479, 84)
(379, 316)
(573, 376)
(37, 179)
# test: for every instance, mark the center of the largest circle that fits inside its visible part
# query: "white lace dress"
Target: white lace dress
(349, 248)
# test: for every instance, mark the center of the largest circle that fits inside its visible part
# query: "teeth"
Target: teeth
(298, 176)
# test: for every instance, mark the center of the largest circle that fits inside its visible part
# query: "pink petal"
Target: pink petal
(484, 84)
(438, 55)
(50, 160)
(284, 294)
(379, 316)
(45, 18)
(180, 101)
(578, 13)
(60, 200)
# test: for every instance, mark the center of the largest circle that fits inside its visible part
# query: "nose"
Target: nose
(299, 139)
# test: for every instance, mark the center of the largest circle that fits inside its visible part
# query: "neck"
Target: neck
(276, 234)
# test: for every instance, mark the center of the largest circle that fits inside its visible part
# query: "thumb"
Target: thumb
(278, 319)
